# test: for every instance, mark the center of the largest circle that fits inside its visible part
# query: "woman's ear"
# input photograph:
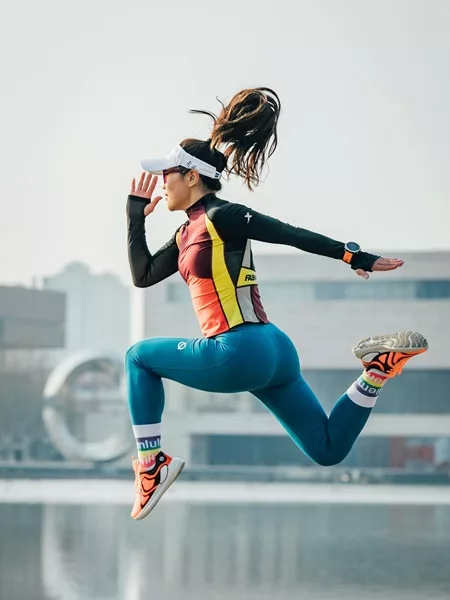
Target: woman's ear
(193, 178)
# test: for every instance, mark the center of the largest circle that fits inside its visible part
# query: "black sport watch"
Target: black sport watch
(351, 248)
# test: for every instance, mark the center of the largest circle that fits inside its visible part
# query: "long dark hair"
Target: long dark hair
(247, 127)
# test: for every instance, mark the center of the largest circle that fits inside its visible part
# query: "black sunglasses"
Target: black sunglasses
(181, 170)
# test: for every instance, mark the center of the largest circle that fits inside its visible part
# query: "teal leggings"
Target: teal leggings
(255, 358)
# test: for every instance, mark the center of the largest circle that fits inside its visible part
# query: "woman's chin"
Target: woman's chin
(171, 206)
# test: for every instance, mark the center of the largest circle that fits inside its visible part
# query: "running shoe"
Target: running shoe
(151, 485)
(389, 353)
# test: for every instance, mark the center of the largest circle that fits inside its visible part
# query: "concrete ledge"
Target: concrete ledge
(217, 423)
(122, 493)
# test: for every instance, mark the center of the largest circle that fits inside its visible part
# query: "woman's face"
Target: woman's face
(177, 190)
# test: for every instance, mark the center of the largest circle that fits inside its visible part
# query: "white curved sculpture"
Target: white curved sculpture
(60, 392)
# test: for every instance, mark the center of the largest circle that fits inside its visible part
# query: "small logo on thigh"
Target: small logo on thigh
(181, 346)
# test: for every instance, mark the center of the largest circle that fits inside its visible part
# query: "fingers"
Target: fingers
(145, 186)
(382, 264)
(151, 206)
(155, 201)
(147, 181)
(141, 181)
(387, 264)
(362, 273)
(151, 187)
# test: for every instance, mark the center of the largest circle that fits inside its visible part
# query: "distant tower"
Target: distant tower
(98, 309)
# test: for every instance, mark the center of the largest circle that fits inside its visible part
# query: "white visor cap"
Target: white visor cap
(178, 157)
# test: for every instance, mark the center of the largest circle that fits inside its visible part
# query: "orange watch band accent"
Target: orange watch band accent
(347, 257)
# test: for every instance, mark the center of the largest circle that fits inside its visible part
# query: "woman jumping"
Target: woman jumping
(241, 350)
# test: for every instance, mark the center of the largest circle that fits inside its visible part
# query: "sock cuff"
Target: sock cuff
(374, 378)
(147, 431)
(364, 391)
(360, 399)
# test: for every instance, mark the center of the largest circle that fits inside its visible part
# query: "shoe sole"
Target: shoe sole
(408, 342)
(175, 468)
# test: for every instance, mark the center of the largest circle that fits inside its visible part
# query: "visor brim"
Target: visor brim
(156, 166)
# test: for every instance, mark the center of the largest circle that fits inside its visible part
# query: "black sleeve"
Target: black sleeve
(235, 220)
(147, 269)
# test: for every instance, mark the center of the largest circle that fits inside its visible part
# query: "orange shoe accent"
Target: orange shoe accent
(391, 363)
(147, 482)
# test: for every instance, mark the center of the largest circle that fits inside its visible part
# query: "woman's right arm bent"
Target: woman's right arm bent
(147, 269)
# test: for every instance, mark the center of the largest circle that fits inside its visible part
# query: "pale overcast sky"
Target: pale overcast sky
(91, 86)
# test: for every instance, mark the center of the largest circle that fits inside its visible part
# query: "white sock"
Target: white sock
(365, 390)
(148, 442)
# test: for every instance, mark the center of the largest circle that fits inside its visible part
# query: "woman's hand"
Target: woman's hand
(145, 189)
(381, 264)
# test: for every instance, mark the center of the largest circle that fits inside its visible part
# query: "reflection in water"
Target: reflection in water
(212, 551)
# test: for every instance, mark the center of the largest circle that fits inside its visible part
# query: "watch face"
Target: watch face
(353, 247)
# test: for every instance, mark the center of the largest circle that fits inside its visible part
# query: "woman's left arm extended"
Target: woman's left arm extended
(236, 220)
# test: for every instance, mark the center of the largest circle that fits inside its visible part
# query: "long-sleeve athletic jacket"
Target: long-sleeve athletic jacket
(212, 252)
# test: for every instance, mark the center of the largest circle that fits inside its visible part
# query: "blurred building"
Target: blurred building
(77, 313)
(98, 309)
(32, 327)
(31, 319)
(326, 309)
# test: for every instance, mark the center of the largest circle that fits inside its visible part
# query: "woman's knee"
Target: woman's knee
(134, 354)
(328, 458)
